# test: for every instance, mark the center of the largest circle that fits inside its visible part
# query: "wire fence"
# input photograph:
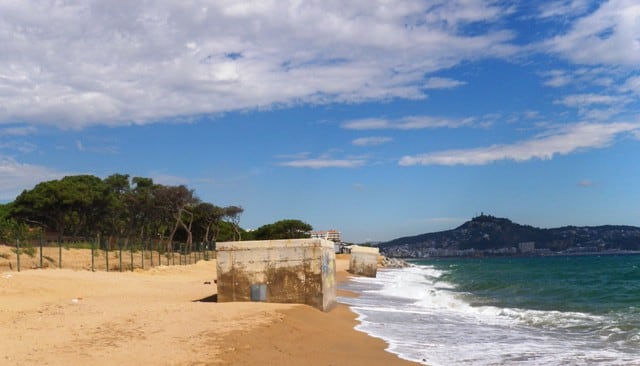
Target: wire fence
(101, 255)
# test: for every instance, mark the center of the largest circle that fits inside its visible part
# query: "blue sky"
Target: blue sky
(378, 118)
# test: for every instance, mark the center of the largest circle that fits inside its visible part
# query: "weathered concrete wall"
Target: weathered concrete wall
(364, 261)
(293, 271)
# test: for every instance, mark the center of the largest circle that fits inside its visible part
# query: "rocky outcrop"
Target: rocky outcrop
(392, 262)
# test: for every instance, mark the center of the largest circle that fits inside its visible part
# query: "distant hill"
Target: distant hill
(489, 235)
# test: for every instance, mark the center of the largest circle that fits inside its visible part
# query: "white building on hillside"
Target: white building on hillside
(333, 235)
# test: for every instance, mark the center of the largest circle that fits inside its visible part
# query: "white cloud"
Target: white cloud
(324, 163)
(531, 114)
(558, 141)
(367, 124)
(585, 100)
(325, 160)
(557, 78)
(371, 141)
(631, 85)
(79, 63)
(442, 83)
(16, 177)
(21, 146)
(17, 131)
(406, 123)
(608, 36)
(97, 146)
(563, 8)
(295, 156)
(599, 77)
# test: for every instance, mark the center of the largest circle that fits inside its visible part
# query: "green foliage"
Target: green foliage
(77, 245)
(283, 229)
(116, 207)
(206, 221)
(5, 211)
(227, 232)
(73, 204)
(12, 230)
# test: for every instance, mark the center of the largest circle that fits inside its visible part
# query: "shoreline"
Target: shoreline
(306, 335)
(318, 338)
(166, 315)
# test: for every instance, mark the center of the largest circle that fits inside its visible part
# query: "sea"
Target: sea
(557, 310)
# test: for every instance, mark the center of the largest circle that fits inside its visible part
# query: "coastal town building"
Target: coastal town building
(332, 235)
(283, 271)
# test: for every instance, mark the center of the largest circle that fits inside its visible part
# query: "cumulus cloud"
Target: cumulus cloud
(77, 63)
(371, 141)
(406, 123)
(15, 177)
(609, 35)
(557, 141)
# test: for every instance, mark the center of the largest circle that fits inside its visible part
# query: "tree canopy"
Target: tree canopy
(119, 207)
(124, 207)
(283, 229)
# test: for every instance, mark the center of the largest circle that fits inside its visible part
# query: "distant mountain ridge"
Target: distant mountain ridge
(491, 235)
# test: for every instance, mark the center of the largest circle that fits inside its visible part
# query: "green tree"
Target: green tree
(120, 207)
(283, 229)
(7, 224)
(207, 218)
(143, 208)
(176, 202)
(232, 214)
(116, 222)
(229, 232)
(72, 205)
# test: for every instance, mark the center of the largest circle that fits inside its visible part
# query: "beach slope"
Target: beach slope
(167, 316)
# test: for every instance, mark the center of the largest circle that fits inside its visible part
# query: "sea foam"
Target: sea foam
(425, 319)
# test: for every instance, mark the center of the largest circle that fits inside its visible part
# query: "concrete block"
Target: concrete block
(364, 261)
(293, 271)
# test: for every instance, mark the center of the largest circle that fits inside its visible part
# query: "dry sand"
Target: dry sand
(165, 316)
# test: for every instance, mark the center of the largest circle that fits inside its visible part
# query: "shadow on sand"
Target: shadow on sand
(212, 298)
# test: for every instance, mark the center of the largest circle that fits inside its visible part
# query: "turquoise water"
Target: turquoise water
(590, 284)
(506, 311)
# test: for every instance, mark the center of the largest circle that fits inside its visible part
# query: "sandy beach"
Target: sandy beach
(167, 315)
